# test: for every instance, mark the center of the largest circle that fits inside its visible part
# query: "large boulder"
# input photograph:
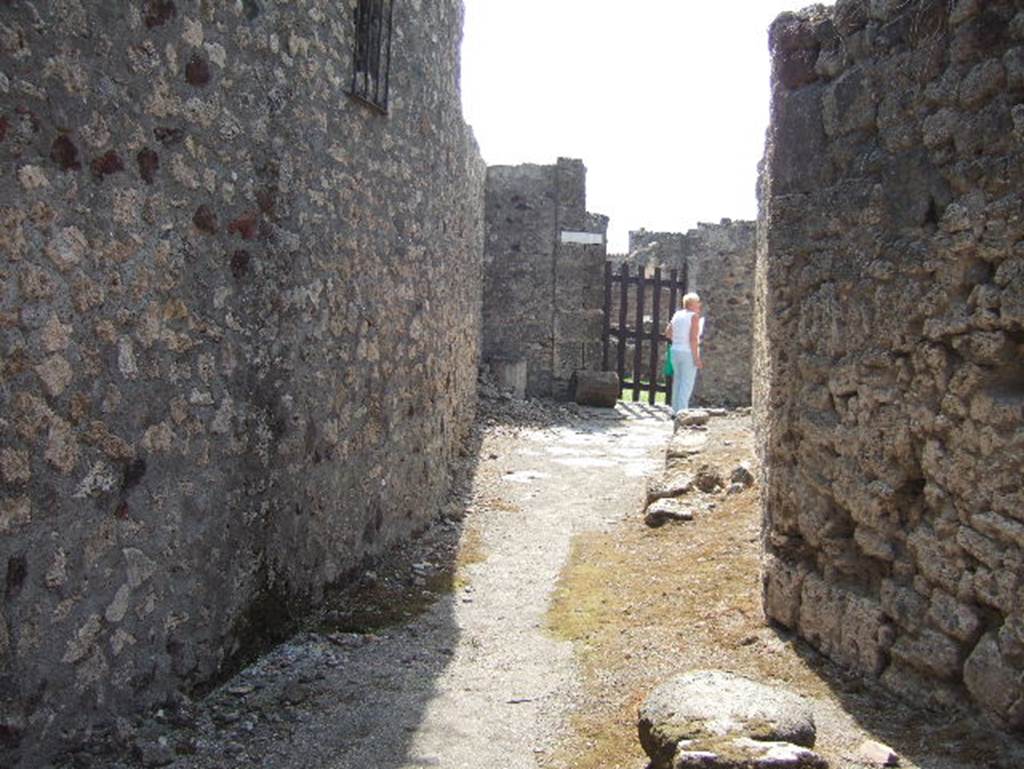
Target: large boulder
(595, 388)
(510, 374)
(692, 418)
(710, 711)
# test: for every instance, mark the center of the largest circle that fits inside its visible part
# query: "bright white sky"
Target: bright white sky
(665, 101)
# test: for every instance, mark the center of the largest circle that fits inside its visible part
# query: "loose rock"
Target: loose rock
(595, 388)
(703, 705)
(742, 475)
(663, 511)
(876, 754)
(674, 485)
(155, 753)
(692, 417)
(744, 753)
(708, 479)
(686, 444)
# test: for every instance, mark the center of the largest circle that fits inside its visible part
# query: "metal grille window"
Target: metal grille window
(372, 57)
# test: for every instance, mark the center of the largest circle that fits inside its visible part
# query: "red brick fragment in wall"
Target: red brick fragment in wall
(64, 153)
(33, 119)
(205, 220)
(168, 136)
(149, 162)
(197, 71)
(105, 165)
(159, 12)
(266, 199)
(246, 226)
(17, 571)
(240, 263)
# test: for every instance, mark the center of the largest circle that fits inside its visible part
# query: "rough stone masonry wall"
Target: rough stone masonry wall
(239, 316)
(667, 250)
(543, 293)
(890, 360)
(719, 261)
(720, 267)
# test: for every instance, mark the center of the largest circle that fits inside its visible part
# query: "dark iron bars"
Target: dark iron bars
(371, 67)
(643, 377)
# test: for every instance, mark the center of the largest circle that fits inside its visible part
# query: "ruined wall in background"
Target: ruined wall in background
(543, 273)
(239, 323)
(648, 250)
(720, 267)
(718, 260)
(890, 360)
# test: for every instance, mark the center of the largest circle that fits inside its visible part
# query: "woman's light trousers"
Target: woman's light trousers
(683, 377)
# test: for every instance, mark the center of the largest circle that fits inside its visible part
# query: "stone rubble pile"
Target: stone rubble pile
(498, 406)
(687, 484)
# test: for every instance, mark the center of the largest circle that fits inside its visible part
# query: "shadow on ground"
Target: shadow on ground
(642, 410)
(929, 737)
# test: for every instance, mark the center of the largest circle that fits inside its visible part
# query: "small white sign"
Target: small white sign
(584, 238)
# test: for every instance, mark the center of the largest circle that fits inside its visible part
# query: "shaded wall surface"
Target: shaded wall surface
(239, 322)
(890, 363)
(719, 263)
(543, 273)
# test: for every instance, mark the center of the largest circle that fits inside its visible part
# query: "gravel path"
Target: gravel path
(509, 682)
(475, 680)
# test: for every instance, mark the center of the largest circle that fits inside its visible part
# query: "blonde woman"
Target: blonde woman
(684, 333)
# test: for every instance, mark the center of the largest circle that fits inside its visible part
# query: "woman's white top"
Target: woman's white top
(681, 329)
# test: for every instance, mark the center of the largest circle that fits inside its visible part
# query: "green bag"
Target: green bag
(668, 363)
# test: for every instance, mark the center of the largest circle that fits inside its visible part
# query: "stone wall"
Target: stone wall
(239, 315)
(718, 260)
(720, 267)
(543, 273)
(668, 250)
(890, 359)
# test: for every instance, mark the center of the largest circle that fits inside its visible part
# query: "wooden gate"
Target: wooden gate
(626, 301)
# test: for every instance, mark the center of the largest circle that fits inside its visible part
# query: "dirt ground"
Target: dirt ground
(641, 605)
(524, 628)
